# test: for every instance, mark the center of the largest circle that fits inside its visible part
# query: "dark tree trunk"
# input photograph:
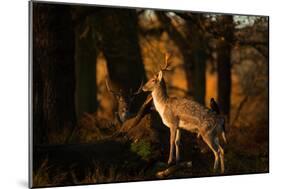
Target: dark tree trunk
(199, 57)
(184, 47)
(118, 39)
(224, 65)
(119, 42)
(85, 56)
(224, 77)
(193, 50)
(53, 73)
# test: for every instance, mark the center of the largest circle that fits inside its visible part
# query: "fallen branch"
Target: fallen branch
(173, 169)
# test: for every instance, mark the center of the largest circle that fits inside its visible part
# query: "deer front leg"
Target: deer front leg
(221, 154)
(212, 142)
(172, 144)
(177, 143)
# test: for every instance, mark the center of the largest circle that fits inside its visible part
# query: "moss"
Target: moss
(142, 148)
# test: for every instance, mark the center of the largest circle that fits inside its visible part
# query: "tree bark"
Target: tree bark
(184, 47)
(118, 39)
(193, 49)
(224, 65)
(199, 56)
(85, 67)
(53, 73)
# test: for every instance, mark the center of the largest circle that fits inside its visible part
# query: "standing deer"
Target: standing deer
(124, 101)
(183, 113)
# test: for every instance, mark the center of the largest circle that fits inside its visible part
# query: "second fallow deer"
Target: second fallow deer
(183, 113)
(124, 101)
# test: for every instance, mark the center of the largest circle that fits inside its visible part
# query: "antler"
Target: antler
(166, 63)
(140, 89)
(137, 91)
(110, 90)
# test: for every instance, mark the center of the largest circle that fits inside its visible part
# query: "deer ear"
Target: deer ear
(160, 75)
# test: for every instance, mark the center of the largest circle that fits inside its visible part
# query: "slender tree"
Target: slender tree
(224, 63)
(199, 56)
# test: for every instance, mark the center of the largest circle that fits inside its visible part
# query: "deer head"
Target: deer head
(124, 101)
(157, 78)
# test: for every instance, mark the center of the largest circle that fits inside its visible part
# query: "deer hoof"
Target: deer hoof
(171, 162)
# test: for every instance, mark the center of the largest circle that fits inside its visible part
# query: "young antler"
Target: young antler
(139, 89)
(110, 90)
(166, 63)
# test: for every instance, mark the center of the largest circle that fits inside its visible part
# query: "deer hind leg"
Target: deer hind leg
(172, 144)
(221, 153)
(214, 146)
(177, 143)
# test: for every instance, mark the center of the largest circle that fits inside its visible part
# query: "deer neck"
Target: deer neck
(159, 95)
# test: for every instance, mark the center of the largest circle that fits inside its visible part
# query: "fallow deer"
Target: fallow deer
(124, 101)
(184, 113)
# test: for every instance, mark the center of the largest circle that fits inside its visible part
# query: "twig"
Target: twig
(173, 169)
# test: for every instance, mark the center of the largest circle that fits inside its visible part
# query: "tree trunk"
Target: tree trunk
(118, 39)
(199, 57)
(85, 56)
(184, 47)
(53, 73)
(224, 65)
(193, 49)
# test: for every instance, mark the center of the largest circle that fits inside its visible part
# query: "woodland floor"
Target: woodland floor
(117, 160)
(138, 155)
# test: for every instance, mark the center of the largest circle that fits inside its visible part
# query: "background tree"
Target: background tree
(85, 64)
(192, 44)
(198, 47)
(53, 68)
(117, 34)
(224, 47)
(182, 44)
